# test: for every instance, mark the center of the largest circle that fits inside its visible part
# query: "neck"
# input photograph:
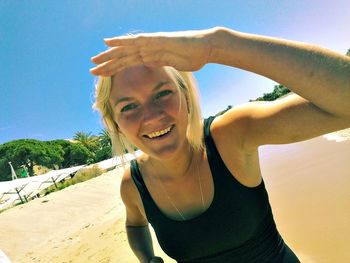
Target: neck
(176, 167)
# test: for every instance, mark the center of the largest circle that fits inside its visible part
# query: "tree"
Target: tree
(5, 172)
(73, 153)
(223, 111)
(28, 152)
(91, 142)
(278, 91)
(103, 154)
(105, 150)
(104, 138)
(348, 53)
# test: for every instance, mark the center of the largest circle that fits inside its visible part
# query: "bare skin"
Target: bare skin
(319, 78)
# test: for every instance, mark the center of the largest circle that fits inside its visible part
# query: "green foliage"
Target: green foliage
(5, 172)
(103, 154)
(223, 111)
(278, 91)
(105, 139)
(91, 142)
(27, 153)
(348, 53)
(56, 154)
(105, 150)
(73, 153)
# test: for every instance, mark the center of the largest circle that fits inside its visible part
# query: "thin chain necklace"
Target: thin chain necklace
(168, 196)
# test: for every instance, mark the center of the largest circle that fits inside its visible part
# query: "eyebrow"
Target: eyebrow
(157, 87)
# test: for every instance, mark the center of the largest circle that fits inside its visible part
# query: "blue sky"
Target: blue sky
(46, 90)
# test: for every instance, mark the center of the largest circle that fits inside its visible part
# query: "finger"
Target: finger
(137, 40)
(114, 53)
(112, 67)
(120, 41)
(106, 69)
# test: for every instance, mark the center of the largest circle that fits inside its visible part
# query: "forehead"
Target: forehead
(135, 78)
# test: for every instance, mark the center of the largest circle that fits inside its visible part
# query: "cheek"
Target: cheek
(129, 130)
(127, 126)
(173, 106)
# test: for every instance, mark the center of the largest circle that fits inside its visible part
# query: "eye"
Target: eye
(128, 107)
(163, 93)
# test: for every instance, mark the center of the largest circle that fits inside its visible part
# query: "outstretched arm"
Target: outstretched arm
(319, 77)
(317, 74)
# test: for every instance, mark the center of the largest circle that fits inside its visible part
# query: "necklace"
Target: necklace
(168, 196)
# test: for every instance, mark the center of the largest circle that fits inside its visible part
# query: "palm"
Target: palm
(185, 51)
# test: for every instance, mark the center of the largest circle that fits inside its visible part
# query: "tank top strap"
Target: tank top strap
(216, 164)
(148, 203)
(214, 158)
(221, 174)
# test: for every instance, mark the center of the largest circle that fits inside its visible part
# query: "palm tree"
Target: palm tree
(91, 142)
(105, 139)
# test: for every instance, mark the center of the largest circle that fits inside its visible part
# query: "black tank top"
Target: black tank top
(238, 226)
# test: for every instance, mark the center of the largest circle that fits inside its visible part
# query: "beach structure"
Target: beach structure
(14, 176)
(113, 162)
(23, 189)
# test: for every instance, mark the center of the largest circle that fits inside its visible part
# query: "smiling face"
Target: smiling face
(150, 110)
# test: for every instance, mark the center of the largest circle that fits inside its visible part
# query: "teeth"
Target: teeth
(159, 133)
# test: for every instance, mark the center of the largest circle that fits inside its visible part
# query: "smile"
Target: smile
(159, 133)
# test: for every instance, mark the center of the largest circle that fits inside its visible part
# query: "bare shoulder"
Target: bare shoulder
(286, 120)
(229, 129)
(229, 132)
(127, 186)
(135, 215)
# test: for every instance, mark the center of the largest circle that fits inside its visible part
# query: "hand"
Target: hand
(184, 50)
(156, 260)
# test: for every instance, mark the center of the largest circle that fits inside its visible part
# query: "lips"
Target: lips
(158, 133)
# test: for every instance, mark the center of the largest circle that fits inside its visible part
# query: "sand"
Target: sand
(308, 185)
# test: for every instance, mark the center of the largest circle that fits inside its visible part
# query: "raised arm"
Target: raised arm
(319, 77)
(317, 74)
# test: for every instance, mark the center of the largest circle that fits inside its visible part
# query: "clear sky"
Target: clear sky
(46, 90)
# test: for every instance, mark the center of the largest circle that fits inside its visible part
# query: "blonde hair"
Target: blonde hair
(185, 82)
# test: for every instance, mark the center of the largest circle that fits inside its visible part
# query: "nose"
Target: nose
(152, 113)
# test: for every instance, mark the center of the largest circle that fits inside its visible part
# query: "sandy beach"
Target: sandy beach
(308, 185)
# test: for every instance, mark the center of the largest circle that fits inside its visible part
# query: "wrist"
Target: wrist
(156, 260)
(223, 44)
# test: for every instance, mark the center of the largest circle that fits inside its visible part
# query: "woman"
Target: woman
(199, 183)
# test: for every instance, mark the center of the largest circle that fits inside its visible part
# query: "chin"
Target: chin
(165, 152)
